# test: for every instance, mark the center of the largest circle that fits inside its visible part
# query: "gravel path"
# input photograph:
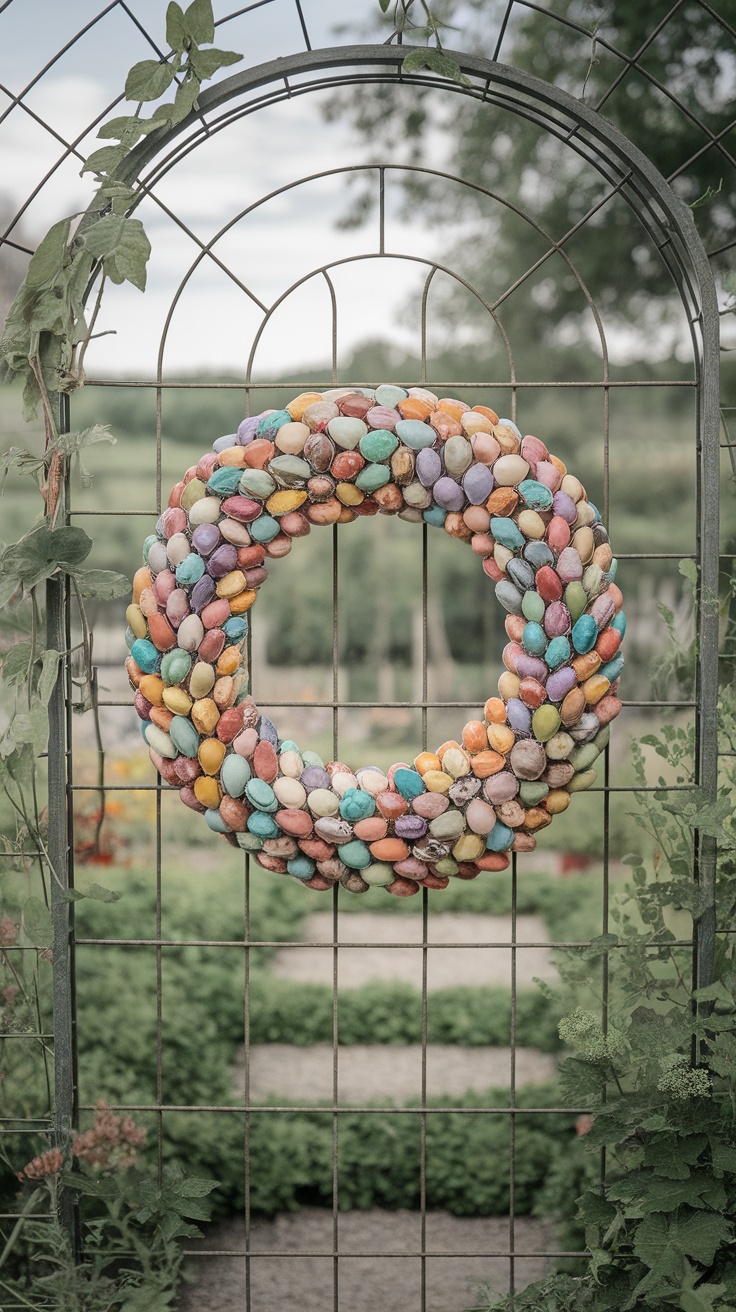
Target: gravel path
(386, 1071)
(446, 965)
(387, 1279)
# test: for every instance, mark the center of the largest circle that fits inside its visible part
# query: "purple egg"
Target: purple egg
(222, 443)
(255, 577)
(561, 683)
(564, 506)
(410, 826)
(383, 416)
(246, 430)
(557, 619)
(202, 593)
(518, 715)
(531, 667)
(478, 484)
(448, 494)
(177, 606)
(315, 777)
(205, 538)
(429, 466)
(222, 561)
(142, 706)
(603, 610)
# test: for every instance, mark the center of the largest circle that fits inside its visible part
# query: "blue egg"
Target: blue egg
(224, 482)
(409, 784)
(216, 822)
(302, 867)
(500, 838)
(518, 715)
(355, 854)
(435, 516)
(130, 638)
(264, 529)
(584, 634)
(356, 804)
(557, 653)
(267, 729)
(235, 629)
(146, 656)
(261, 795)
(190, 569)
(262, 825)
(269, 425)
(534, 639)
(536, 495)
(619, 623)
(249, 842)
(507, 533)
(612, 669)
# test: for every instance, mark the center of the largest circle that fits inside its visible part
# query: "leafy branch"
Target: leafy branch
(430, 29)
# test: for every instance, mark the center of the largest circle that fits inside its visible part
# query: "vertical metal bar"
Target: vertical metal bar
(335, 937)
(512, 1088)
(708, 491)
(62, 879)
(246, 1090)
(425, 634)
(381, 211)
(62, 910)
(159, 951)
(423, 1115)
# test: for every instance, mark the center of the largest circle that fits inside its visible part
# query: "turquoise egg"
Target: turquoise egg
(500, 838)
(224, 482)
(355, 855)
(408, 783)
(355, 804)
(557, 653)
(507, 533)
(146, 656)
(584, 634)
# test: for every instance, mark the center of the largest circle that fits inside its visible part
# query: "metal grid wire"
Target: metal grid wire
(629, 178)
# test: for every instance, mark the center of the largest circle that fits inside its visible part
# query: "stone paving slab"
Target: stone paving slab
(367, 1072)
(447, 965)
(387, 1280)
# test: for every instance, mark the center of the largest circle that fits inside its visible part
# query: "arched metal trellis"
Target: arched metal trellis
(669, 228)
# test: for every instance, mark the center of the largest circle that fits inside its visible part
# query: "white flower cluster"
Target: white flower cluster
(582, 1030)
(681, 1082)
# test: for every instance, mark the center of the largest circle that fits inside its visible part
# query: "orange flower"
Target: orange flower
(49, 1163)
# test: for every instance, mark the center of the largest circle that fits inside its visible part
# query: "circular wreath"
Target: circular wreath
(327, 458)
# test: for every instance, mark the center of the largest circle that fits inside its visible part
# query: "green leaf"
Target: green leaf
(104, 584)
(14, 665)
(689, 570)
(384, 5)
(205, 63)
(660, 1240)
(50, 660)
(196, 1186)
(104, 160)
(99, 894)
(49, 256)
(37, 922)
(176, 28)
(148, 80)
(42, 551)
(123, 246)
(200, 22)
(126, 129)
(700, 1299)
(436, 62)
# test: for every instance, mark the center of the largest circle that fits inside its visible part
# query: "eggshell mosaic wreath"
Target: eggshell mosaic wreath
(324, 459)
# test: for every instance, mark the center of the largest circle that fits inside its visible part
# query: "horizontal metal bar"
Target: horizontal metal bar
(408, 706)
(474, 384)
(331, 943)
(337, 1109)
(407, 1253)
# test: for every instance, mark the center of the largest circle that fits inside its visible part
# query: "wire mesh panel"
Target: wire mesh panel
(285, 304)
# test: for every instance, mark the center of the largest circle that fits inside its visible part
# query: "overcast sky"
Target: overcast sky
(281, 241)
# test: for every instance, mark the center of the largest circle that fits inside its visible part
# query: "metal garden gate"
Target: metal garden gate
(664, 223)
